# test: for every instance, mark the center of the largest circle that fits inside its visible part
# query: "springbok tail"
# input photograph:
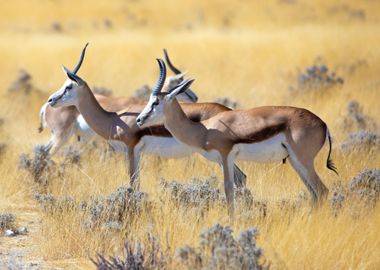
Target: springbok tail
(330, 164)
(42, 118)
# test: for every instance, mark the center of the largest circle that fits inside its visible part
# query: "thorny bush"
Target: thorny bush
(7, 221)
(111, 212)
(136, 257)
(40, 167)
(218, 249)
(355, 119)
(316, 77)
(362, 190)
(202, 194)
(361, 141)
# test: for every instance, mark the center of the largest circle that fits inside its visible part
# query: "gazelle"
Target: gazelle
(263, 134)
(121, 125)
(64, 122)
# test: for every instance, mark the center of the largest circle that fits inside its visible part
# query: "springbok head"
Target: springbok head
(159, 102)
(173, 81)
(67, 95)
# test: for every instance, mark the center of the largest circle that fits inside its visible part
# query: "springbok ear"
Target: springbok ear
(180, 88)
(178, 77)
(72, 76)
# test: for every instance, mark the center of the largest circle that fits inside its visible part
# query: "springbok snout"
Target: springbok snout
(139, 121)
(52, 102)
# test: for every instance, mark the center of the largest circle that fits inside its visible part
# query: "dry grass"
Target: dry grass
(248, 51)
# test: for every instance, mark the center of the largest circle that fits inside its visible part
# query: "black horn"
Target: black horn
(160, 83)
(80, 60)
(171, 66)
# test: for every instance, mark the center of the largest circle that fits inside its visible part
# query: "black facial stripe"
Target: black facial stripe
(59, 97)
(149, 112)
(155, 103)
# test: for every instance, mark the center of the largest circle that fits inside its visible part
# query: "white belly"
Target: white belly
(163, 146)
(269, 150)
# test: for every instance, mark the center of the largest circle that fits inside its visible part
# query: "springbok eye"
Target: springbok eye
(69, 87)
(156, 103)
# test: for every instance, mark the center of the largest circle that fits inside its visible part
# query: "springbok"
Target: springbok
(121, 125)
(263, 134)
(64, 122)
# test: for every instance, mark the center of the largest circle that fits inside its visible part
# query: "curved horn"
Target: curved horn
(160, 83)
(173, 68)
(75, 70)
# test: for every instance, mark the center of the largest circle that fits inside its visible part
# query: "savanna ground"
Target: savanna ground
(251, 52)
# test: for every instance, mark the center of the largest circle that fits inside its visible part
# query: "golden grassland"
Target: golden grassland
(248, 51)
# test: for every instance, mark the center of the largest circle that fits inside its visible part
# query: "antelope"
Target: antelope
(121, 125)
(64, 122)
(262, 134)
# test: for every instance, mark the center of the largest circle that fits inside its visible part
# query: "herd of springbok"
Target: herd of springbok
(171, 129)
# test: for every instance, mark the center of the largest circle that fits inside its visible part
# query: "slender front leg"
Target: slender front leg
(228, 172)
(134, 168)
(137, 167)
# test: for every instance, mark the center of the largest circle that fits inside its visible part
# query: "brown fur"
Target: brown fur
(122, 126)
(304, 131)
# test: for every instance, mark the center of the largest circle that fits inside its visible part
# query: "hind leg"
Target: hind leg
(55, 144)
(59, 138)
(321, 190)
(304, 166)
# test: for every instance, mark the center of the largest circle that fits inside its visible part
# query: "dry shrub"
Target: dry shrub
(71, 155)
(227, 102)
(136, 257)
(40, 167)
(338, 197)
(53, 205)
(195, 193)
(143, 92)
(355, 119)
(366, 185)
(364, 141)
(22, 83)
(57, 27)
(316, 78)
(43, 169)
(362, 192)
(202, 194)
(100, 90)
(293, 205)
(109, 213)
(113, 211)
(218, 249)
(7, 221)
